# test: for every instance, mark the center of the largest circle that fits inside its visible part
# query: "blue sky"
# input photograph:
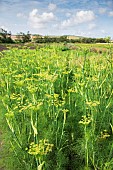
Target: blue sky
(91, 18)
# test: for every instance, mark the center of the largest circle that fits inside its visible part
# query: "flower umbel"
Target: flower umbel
(85, 120)
(43, 148)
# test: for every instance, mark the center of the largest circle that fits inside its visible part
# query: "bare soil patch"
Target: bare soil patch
(3, 47)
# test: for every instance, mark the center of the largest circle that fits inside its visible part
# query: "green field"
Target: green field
(56, 107)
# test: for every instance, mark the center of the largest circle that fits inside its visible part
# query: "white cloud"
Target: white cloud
(84, 33)
(110, 13)
(37, 20)
(102, 10)
(79, 18)
(21, 15)
(52, 6)
(68, 14)
(103, 31)
(92, 26)
(85, 16)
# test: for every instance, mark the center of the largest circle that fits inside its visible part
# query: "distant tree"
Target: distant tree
(26, 37)
(100, 40)
(5, 37)
(3, 34)
(107, 39)
(63, 38)
(22, 37)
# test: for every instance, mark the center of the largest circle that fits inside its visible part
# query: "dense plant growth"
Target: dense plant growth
(57, 109)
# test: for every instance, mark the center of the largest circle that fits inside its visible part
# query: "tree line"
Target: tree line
(23, 38)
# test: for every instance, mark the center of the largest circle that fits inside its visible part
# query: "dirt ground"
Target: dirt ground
(3, 47)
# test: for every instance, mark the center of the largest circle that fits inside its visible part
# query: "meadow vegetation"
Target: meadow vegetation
(57, 107)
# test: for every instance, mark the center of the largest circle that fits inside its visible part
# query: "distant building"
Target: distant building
(53, 36)
(34, 37)
(73, 37)
(16, 37)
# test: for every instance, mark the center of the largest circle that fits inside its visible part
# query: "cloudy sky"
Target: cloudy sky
(91, 18)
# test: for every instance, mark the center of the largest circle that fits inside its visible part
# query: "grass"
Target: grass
(57, 108)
